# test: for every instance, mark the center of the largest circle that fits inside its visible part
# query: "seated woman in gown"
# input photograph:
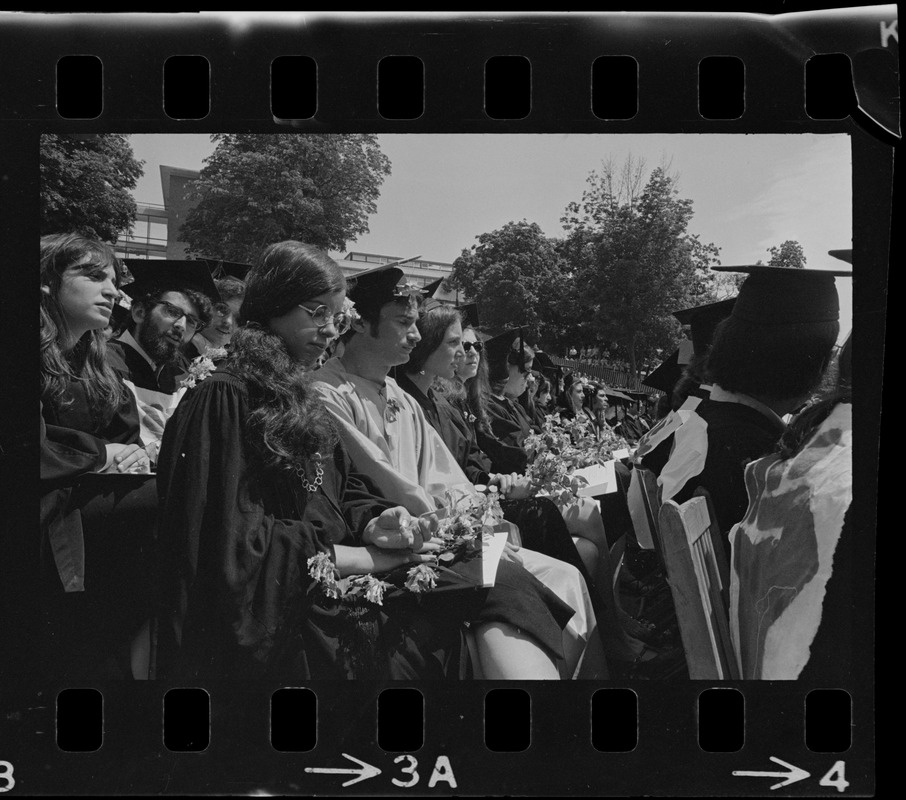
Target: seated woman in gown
(254, 482)
(436, 358)
(98, 504)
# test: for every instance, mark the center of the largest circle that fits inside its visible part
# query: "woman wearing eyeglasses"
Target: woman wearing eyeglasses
(254, 483)
(98, 504)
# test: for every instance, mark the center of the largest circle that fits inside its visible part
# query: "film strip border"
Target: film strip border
(660, 60)
(531, 739)
(554, 72)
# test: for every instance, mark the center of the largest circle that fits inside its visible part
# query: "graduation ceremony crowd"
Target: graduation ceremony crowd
(223, 456)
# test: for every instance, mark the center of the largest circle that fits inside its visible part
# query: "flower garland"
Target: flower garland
(462, 522)
(202, 366)
(563, 446)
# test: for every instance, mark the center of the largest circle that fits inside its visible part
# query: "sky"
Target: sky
(749, 191)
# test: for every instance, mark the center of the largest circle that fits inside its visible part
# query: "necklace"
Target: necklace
(299, 469)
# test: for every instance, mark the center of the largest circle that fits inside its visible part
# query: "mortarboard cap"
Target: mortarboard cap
(786, 295)
(374, 288)
(702, 320)
(843, 255)
(227, 269)
(617, 394)
(469, 313)
(170, 276)
(505, 348)
(665, 376)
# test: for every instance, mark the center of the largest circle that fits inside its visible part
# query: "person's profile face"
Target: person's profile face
(448, 354)
(304, 340)
(468, 367)
(86, 296)
(392, 339)
(577, 394)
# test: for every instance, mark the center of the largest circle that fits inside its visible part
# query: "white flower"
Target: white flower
(374, 590)
(201, 367)
(421, 578)
(321, 568)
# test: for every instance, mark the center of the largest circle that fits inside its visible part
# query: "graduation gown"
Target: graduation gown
(97, 540)
(389, 439)
(539, 521)
(237, 598)
(510, 426)
(786, 614)
(711, 449)
(155, 389)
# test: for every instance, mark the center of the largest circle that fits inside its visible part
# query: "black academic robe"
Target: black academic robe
(134, 367)
(632, 428)
(237, 600)
(448, 421)
(97, 545)
(510, 426)
(736, 435)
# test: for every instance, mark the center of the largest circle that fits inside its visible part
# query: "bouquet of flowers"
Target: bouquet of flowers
(563, 446)
(462, 522)
(202, 366)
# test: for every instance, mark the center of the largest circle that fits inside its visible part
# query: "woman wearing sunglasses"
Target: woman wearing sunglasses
(254, 483)
(479, 410)
(98, 502)
(437, 358)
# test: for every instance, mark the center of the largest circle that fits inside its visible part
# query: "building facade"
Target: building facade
(155, 234)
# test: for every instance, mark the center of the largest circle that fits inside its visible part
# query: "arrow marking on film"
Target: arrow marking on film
(363, 772)
(792, 774)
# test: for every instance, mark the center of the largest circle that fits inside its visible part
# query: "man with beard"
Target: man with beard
(171, 302)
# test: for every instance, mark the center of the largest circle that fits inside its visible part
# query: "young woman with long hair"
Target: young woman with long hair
(97, 514)
(254, 482)
(470, 393)
(434, 362)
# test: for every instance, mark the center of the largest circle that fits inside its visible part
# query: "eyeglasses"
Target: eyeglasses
(469, 345)
(322, 317)
(175, 313)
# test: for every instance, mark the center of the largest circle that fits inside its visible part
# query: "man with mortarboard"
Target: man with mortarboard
(229, 279)
(171, 301)
(765, 360)
(389, 439)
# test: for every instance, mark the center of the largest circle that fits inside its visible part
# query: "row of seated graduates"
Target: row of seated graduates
(98, 634)
(476, 404)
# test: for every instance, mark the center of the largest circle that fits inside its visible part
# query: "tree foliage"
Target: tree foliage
(257, 189)
(634, 261)
(514, 273)
(86, 183)
(789, 254)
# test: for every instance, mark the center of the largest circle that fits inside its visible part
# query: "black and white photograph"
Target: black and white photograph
(379, 459)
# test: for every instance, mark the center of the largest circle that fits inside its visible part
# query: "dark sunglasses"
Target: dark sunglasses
(469, 345)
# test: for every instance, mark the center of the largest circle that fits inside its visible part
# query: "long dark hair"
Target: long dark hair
(777, 362)
(803, 427)
(433, 326)
(86, 362)
(473, 393)
(287, 423)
